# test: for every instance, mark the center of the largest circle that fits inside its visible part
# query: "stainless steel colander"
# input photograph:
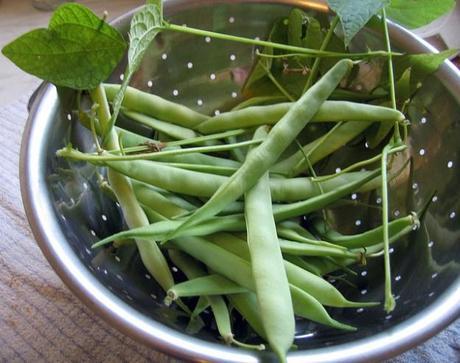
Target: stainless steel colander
(68, 213)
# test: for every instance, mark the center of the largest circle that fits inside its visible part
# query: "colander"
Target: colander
(68, 214)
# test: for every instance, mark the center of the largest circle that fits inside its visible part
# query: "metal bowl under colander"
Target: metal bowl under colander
(68, 213)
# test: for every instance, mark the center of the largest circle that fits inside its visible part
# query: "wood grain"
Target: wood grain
(40, 319)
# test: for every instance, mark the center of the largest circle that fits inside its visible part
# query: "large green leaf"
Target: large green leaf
(78, 50)
(416, 13)
(354, 14)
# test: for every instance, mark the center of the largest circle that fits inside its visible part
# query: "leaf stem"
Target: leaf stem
(391, 79)
(263, 43)
(315, 68)
(277, 84)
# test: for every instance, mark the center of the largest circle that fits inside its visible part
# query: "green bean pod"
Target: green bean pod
(309, 282)
(246, 304)
(192, 270)
(156, 106)
(287, 211)
(267, 266)
(319, 288)
(235, 223)
(174, 131)
(396, 229)
(205, 285)
(201, 184)
(306, 249)
(310, 308)
(149, 251)
(329, 111)
(267, 153)
(156, 201)
(238, 269)
(320, 148)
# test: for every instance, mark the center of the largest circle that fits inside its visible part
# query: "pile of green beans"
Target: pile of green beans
(221, 199)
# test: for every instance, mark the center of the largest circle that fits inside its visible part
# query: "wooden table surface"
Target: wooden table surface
(40, 319)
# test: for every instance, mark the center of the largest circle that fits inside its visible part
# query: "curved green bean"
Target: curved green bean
(396, 229)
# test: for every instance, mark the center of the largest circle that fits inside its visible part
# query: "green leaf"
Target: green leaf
(145, 25)
(354, 14)
(416, 13)
(78, 50)
(296, 27)
(421, 65)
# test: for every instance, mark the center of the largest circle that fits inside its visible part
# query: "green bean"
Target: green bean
(130, 139)
(295, 164)
(268, 152)
(330, 111)
(205, 185)
(267, 266)
(150, 253)
(201, 305)
(314, 285)
(304, 249)
(238, 269)
(150, 195)
(222, 317)
(257, 101)
(396, 229)
(246, 304)
(205, 285)
(152, 215)
(192, 270)
(208, 169)
(161, 230)
(319, 288)
(308, 307)
(299, 261)
(174, 131)
(157, 201)
(287, 211)
(292, 234)
(155, 106)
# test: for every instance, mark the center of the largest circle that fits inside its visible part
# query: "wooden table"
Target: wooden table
(40, 319)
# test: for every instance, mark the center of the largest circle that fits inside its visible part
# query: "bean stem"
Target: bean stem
(78, 155)
(359, 164)
(263, 43)
(389, 299)
(324, 44)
